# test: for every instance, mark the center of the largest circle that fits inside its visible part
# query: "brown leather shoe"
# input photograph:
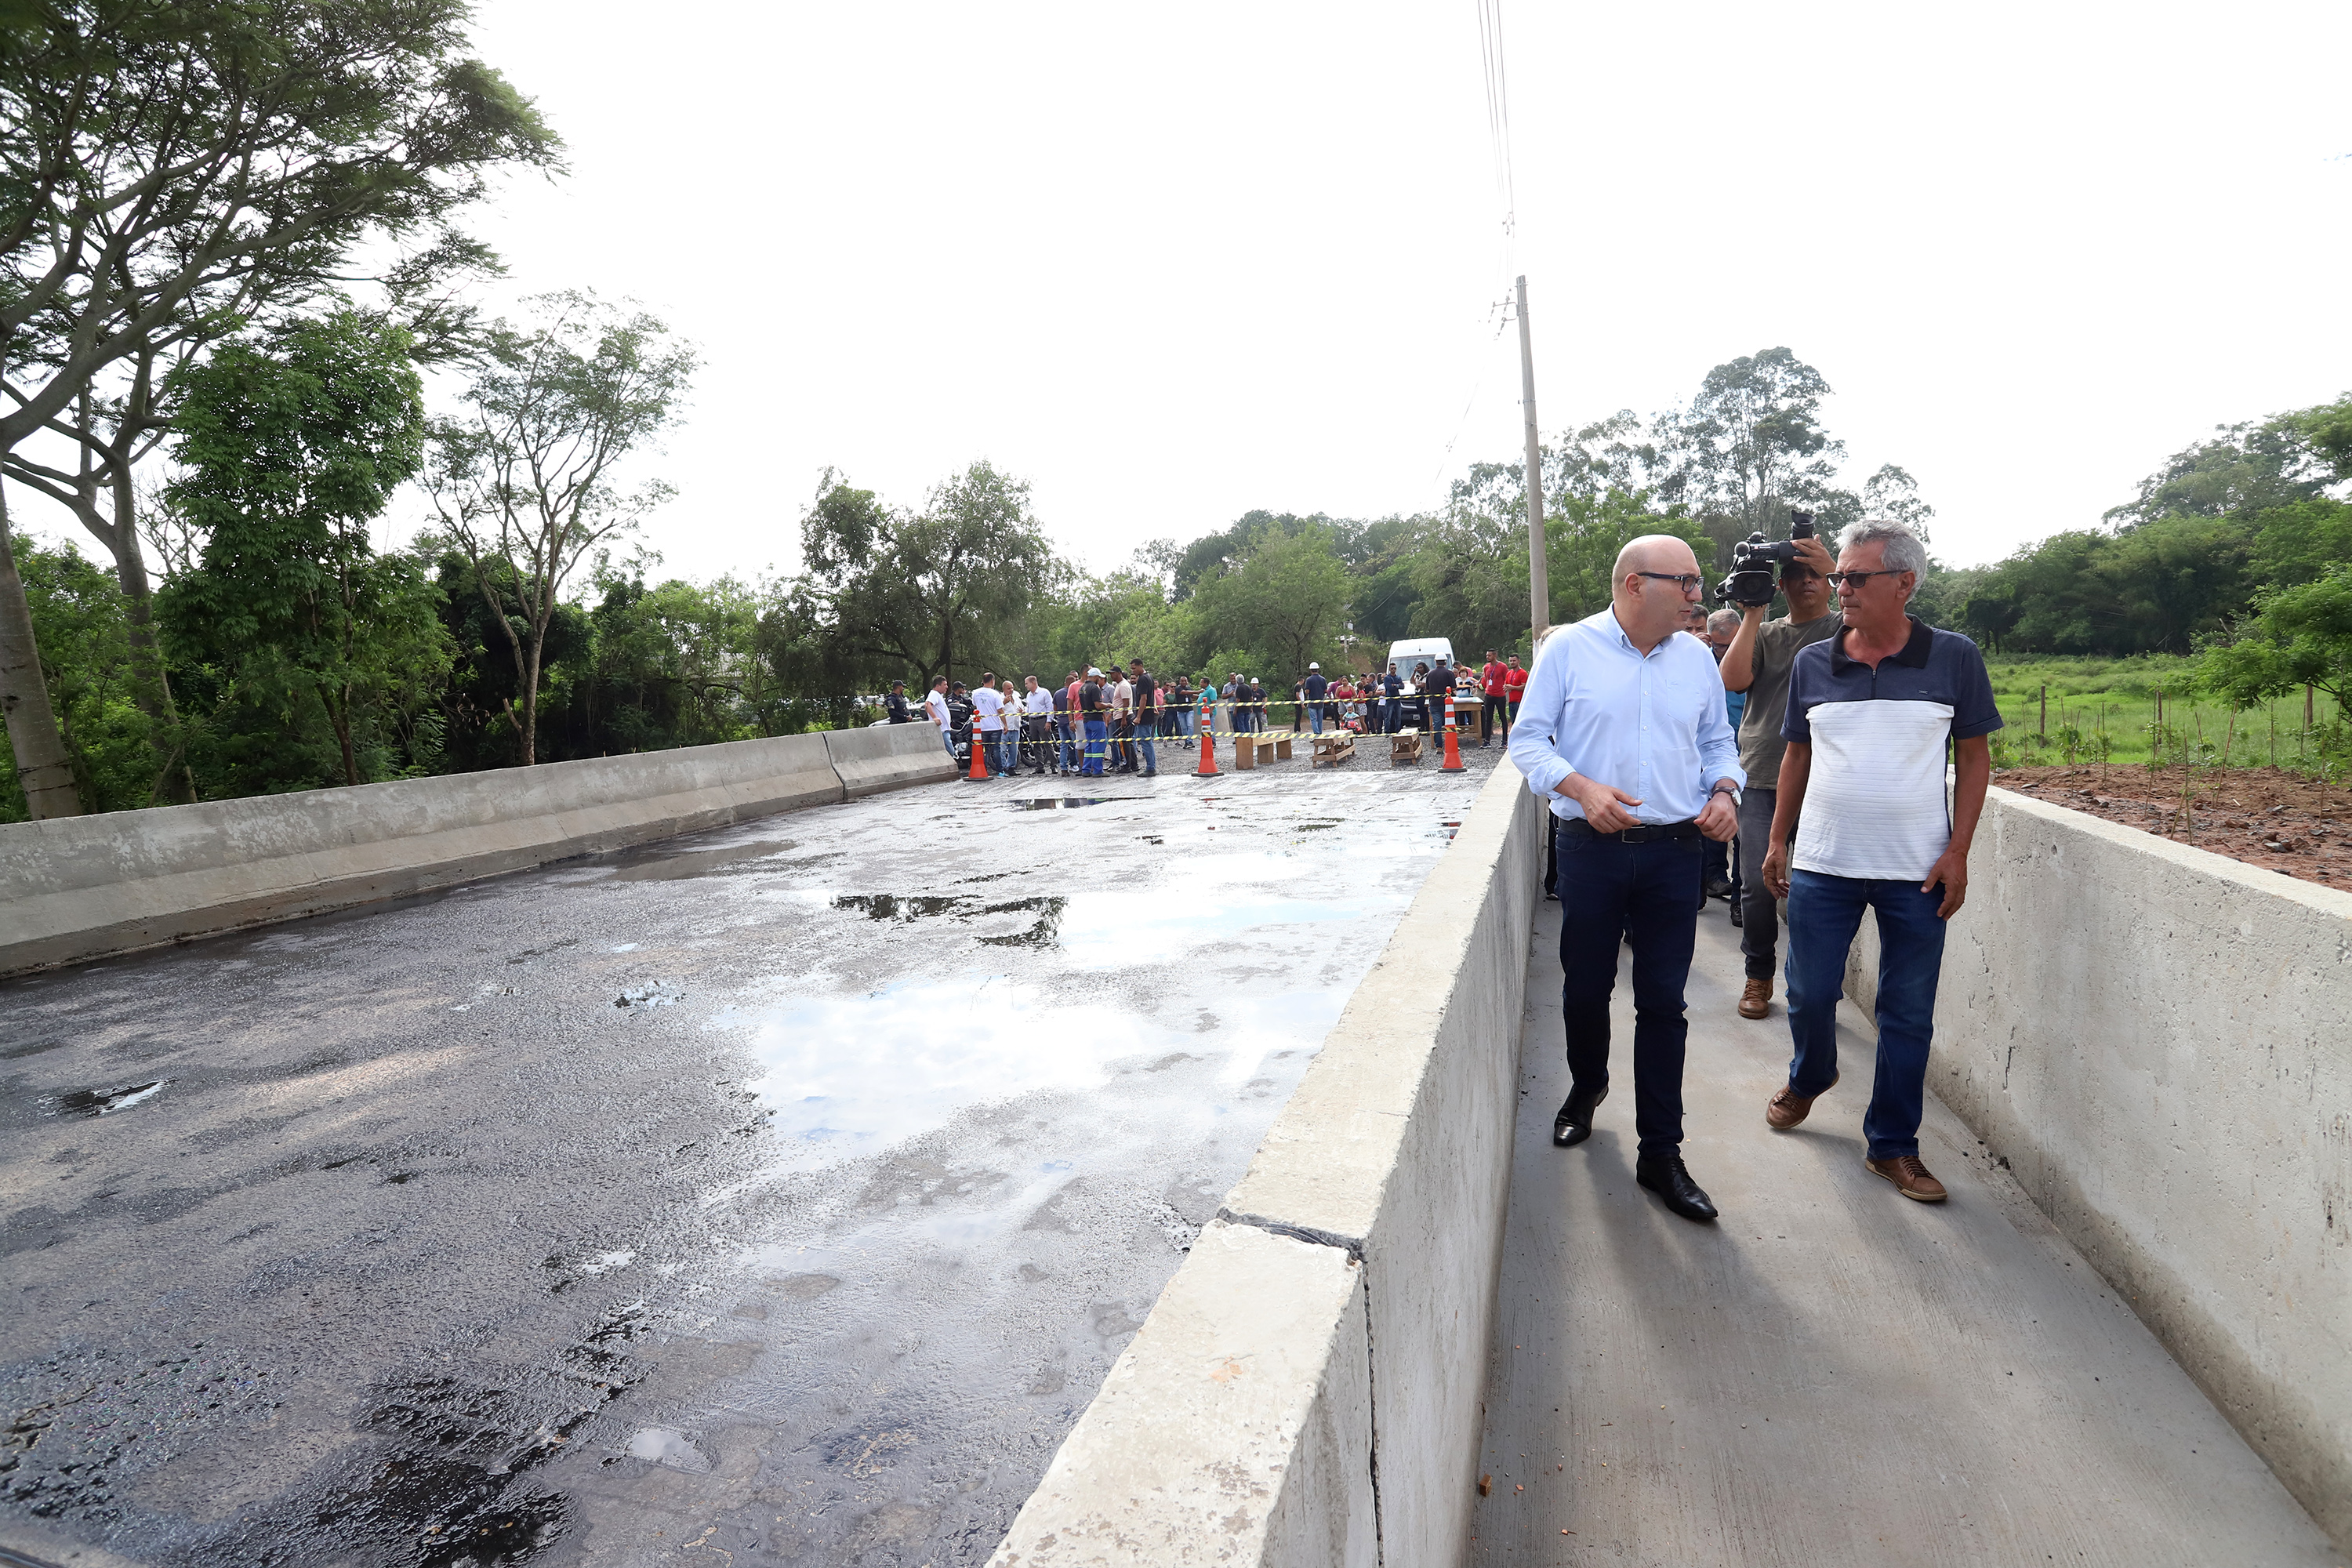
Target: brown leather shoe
(1788, 1107)
(1909, 1176)
(1756, 1002)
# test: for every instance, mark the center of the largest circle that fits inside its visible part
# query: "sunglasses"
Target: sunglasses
(1841, 581)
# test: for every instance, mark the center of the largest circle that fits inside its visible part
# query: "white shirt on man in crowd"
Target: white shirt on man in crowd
(987, 702)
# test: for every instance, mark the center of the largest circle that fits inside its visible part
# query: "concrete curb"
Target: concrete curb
(80, 887)
(1392, 1161)
(2153, 1037)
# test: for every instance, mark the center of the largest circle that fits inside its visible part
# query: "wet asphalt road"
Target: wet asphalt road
(776, 1195)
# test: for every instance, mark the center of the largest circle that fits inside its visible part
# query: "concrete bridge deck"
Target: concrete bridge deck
(1831, 1374)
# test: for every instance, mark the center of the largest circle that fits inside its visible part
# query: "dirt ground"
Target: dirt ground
(2265, 816)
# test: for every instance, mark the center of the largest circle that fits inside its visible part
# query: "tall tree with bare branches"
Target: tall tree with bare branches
(524, 482)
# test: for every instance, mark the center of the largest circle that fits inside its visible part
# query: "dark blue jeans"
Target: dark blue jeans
(1611, 891)
(1824, 912)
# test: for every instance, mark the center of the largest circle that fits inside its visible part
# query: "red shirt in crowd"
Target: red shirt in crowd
(1515, 683)
(1493, 674)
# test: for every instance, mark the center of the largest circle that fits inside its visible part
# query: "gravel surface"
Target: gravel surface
(782, 1191)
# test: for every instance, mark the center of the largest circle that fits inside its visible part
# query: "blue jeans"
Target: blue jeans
(1066, 749)
(1824, 912)
(1145, 729)
(1315, 718)
(1610, 891)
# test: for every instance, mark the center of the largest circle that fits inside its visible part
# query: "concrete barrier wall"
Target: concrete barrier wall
(869, 761)
(1307, 1389)
(2158, 1040)
(77, 888)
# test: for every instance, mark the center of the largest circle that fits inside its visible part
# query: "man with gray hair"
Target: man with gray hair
(1872, 714)
(1623, 734)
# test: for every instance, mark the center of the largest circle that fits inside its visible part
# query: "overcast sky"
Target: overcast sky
(1174, 263)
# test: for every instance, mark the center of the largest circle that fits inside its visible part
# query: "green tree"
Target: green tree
(1286, 601)
(1581, 541)
(290, 447)
(1750, 447)
(166, 170)
(937, 590)
(2247, 467)
(2156, 589)
(2296, 635)
(524, 482)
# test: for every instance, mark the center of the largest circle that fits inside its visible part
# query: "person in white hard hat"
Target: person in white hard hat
(1314, 685)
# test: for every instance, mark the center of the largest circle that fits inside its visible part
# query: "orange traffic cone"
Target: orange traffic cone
(1453, 746)
(1208, 768)
(979, 758)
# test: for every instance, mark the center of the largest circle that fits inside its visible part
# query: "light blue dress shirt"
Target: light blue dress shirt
(1652, 726)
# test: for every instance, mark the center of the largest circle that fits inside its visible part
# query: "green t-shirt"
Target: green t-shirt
(1777, 643)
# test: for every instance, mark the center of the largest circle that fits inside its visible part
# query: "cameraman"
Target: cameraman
(1758, 663)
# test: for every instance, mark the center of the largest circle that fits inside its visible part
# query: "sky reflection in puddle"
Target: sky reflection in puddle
(851, 1076)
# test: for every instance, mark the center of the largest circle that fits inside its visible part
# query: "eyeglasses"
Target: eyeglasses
(1841, 581)
(1690, 582)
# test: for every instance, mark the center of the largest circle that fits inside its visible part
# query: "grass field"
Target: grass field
(2088, 698)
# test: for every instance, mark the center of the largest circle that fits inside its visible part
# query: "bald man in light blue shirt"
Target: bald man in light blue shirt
(1623, 732)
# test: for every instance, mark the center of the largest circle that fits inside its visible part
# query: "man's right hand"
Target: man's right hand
(1815, 554)
(1776, 870)
(1604, 807)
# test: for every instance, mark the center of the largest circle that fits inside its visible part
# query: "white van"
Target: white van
(1428, 650)
(1419, 650)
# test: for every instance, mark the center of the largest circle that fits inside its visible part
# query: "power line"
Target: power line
(1498, 108)
(1499, 142)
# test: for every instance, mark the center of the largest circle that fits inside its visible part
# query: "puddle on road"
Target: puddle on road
(1059, 803)
(851, 1076)
(903, 907)
(101, 1101)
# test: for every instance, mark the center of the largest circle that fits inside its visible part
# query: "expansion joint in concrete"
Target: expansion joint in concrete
(1353, 1246)
(1372, 1387)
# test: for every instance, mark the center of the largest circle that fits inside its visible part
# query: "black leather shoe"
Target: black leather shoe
(1664, 1175)
(1573, 1125)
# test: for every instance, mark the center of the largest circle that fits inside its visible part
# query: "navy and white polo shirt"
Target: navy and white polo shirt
(1874, 803)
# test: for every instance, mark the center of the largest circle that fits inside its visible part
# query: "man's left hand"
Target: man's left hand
(1951, 868)
(1720, 821)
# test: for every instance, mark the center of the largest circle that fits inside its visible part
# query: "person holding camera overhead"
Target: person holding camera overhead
(1758, 663)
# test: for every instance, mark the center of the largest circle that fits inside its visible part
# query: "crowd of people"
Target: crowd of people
(1093, 723)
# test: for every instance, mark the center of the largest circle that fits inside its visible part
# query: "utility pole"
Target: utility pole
(1539, 568)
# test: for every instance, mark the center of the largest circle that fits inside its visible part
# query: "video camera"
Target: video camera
(1755, 565)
